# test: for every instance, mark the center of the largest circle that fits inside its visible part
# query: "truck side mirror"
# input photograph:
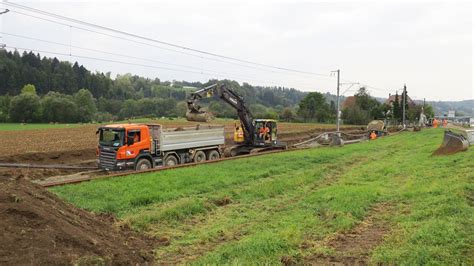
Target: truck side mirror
(129, 140)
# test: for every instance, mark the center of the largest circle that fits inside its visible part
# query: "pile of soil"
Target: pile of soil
(83, 157)
(34, 173)
(39, 228)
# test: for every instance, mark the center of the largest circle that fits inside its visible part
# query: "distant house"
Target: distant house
(391, 99)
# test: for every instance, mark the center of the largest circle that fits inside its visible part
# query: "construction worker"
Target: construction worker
(267, 132)
(373, 136)
(136, 137)
(263, 131)
(445, 122)
(435, 123)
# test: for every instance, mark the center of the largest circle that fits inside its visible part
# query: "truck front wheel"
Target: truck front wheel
(143, 164)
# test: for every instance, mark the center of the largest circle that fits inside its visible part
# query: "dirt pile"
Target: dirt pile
(85, 157)
(38, 228)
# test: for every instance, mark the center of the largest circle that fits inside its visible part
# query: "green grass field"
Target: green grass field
(163, 121)
(19, 126)
(290, 205)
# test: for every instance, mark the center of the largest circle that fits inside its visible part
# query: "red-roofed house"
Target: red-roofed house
(348, 102)
(391, 99)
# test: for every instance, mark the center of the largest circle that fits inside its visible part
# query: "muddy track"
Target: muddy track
(355, 246)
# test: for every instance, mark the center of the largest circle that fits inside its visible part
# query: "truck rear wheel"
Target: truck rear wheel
(143, 164)
(200, 156)
(171, 161)
(213, 155)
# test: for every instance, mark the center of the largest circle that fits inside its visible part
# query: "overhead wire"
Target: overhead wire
(38, 11)
(114, 54)
(162, 48)
(127, 63)
(232, 60)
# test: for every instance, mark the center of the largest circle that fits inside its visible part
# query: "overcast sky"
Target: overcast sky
(426, 45)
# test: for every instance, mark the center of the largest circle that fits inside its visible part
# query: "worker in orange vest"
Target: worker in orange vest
(373, 135)
(435, 123)
(445, 122)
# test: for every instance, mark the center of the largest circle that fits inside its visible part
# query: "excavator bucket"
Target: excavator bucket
(199, 116)
(452, 143)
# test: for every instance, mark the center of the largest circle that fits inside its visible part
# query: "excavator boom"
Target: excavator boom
(222, 92)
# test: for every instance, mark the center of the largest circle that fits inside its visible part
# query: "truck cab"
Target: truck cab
(145, 146)
(121, 145)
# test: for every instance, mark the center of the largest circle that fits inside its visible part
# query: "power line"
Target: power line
(126, 63)
(232, 60)
(114, 54)
(151, 45)
(34, 10)
(208, 71)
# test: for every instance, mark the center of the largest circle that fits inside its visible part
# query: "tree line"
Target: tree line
(61, 85)
(42, 89)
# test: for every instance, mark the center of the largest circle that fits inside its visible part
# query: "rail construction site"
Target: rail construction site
(236, 133)
(371, 202)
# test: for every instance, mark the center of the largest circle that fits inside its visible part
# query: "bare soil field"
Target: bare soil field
(76, 145)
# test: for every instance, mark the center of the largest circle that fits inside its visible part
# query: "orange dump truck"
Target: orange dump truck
(145, 146)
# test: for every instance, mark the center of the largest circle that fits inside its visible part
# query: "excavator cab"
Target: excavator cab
(265, 132)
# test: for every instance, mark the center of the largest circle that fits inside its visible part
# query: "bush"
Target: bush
(25, 108)
(86, 105)
(61, 108)
(104, 117)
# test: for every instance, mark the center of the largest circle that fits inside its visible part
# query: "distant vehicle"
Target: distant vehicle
(146, 146)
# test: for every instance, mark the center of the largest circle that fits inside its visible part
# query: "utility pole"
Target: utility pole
(404, 103)
(338, 101)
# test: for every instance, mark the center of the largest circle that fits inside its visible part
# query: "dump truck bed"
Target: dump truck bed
(191, 137)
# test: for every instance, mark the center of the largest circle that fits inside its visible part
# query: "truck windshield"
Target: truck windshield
(111, 137)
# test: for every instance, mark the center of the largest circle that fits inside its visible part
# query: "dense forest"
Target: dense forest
(55, 87)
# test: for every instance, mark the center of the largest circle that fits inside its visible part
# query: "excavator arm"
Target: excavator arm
(224, 93)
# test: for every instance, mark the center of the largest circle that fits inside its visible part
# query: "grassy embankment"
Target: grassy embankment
(289, 204)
